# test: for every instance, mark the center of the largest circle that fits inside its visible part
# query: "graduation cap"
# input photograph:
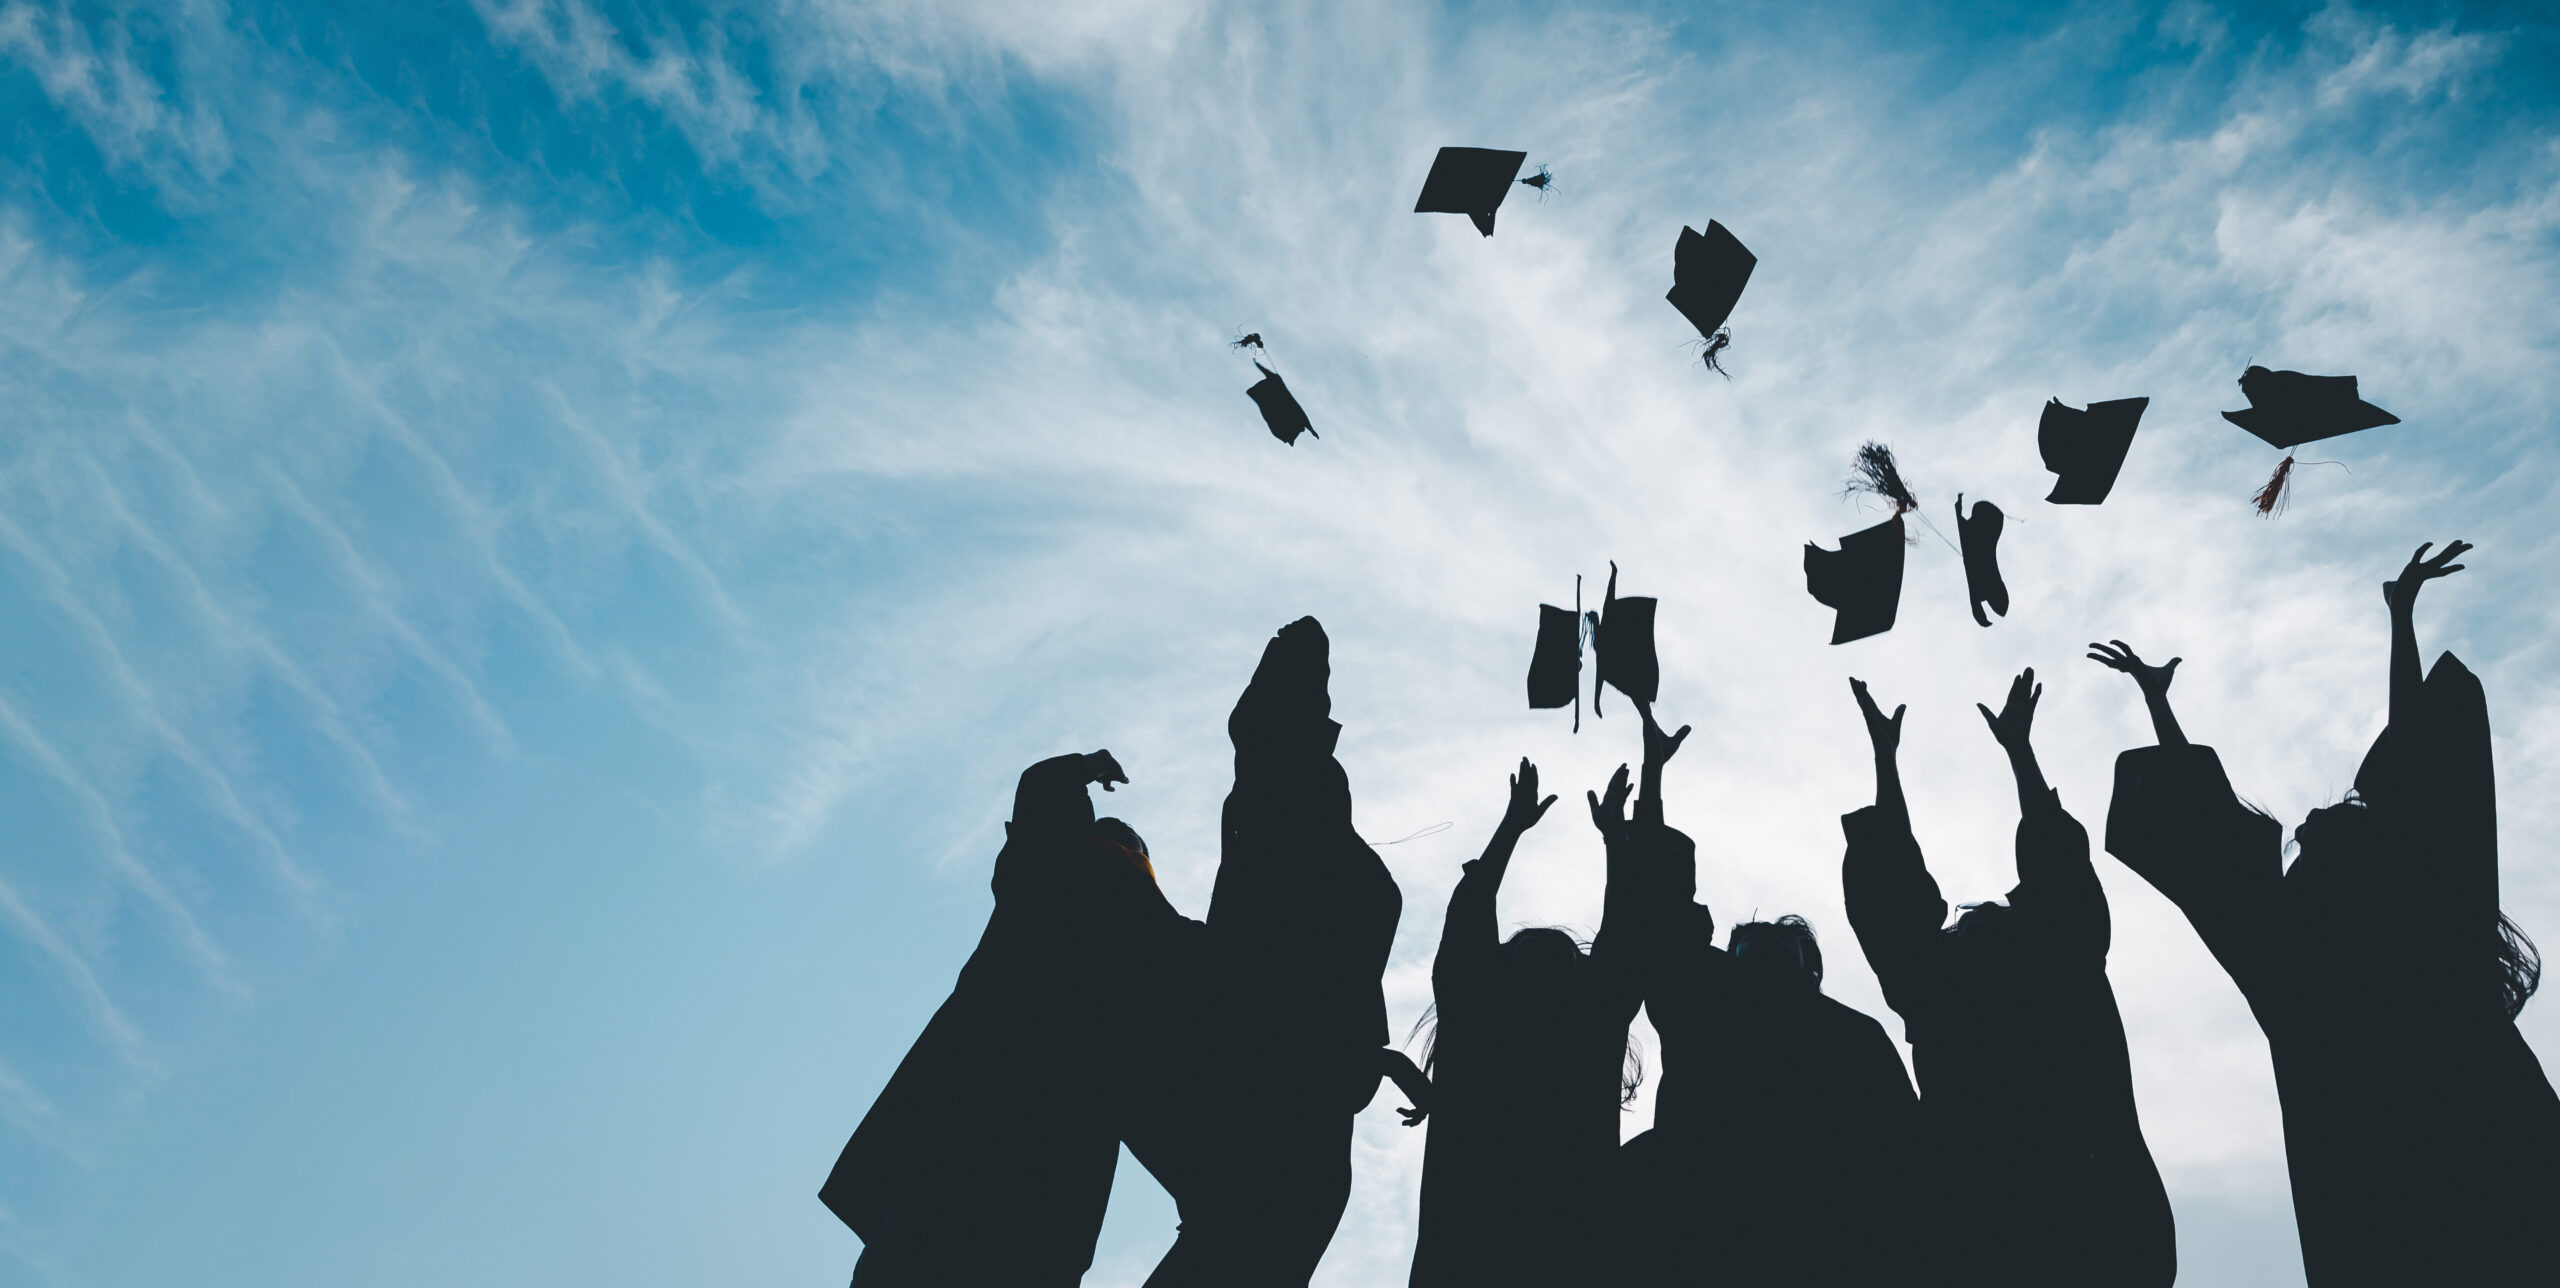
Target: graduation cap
(2085, 449)
(1280, 410)
(1862, 579)
(2288, 409)
(1624, 643)
(1470, 182)
(1707, 273)
(1979, 534)
(1555, 665)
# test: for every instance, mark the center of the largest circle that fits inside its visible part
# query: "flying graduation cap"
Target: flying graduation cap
(2086, 449)
(1862, 580)
(1708, 271)
(1470, 182)
(1621, 633)
(1280, 410)
(2288, 409)
(1979, 534)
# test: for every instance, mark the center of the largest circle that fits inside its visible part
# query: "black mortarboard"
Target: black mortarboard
(1624, 643)
(1555, 666)
(1862, 579)
(1470, 182)
(1279, 409)
(2085, 449)
(2288, 408)
(1707, 273)
(1979, 535)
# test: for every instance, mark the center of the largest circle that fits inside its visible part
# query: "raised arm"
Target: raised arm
(1471, 928)
(2401, 593)
(1884, 737)
(2154, 682)
(1659, 748)
(2054, 872)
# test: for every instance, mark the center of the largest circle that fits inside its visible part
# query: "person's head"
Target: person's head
(1785, 944)
(1542, 955)
(2519, 966)
(2334, 830)
(1113, 834)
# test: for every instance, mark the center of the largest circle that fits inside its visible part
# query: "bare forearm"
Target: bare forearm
(2405, 680)
(2164, 722)
(2032, 792)
(1889, 787)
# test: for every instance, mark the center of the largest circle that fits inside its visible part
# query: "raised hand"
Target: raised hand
(2402, 591)
(1525, 809)
(1099, 767)
(2018, 714)
(1409, 1079)
(1659, 747)
(1885, 734)
(2115, 655)
(1609, 813)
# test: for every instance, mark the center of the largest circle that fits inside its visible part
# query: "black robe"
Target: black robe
(2036, 1154)
(1785, 1128)
(1526, 1089)
(1299, 927)
(988, 1157)
(2420, 1130)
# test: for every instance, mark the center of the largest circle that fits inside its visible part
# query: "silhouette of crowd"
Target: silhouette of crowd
(1789, 1146)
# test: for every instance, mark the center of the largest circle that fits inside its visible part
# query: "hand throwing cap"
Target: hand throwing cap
(1862, 579)
(1979, 536)
(1626, 660)
(1707, 273)
(1279, 409)
(2085, 449)
(2287, 408)
(1470, 182)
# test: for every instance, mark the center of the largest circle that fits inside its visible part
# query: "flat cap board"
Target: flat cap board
(1862, 580)
(1280, 410)
(2288, 408)
(1708, 271)
(2086, 449)
(1626, 659)
(1978, 536)
(1470, 182)
(1555, 666)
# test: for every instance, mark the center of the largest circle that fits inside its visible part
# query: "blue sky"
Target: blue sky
(534, 536)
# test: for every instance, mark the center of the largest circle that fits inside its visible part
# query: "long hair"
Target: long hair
(2519, 965)
(1631, 1066)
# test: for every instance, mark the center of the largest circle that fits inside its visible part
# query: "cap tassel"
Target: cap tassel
(2271, 499)
(1716, 344)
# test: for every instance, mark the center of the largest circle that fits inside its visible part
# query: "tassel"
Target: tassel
(1715, 345)
(2271, 499)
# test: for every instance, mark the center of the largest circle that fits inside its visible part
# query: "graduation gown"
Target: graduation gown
(2419, 1127)
(1300, 923)
(988, 1157)
(1526, 1083)
(1785, 1128)
(2026, 1092)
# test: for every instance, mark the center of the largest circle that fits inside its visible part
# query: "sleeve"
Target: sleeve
(2176, 822)
(1894, 904)
(2057, 883)
(1470, 935)
(2438, 781)
(1650, 930)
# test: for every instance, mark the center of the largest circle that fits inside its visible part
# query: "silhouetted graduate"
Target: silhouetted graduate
(2419, 1127)
(1530, 1067)
(2086, 449)
(1862, 580)
(1470, 182)
(2288, 409)
(988, 1156)
(1299, 927)
(1708, 272)
(1784, 1132)
(1280, 409)
(2026, 1092)
(1979, 535)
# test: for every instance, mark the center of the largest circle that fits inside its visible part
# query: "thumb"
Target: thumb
(1987, 717)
